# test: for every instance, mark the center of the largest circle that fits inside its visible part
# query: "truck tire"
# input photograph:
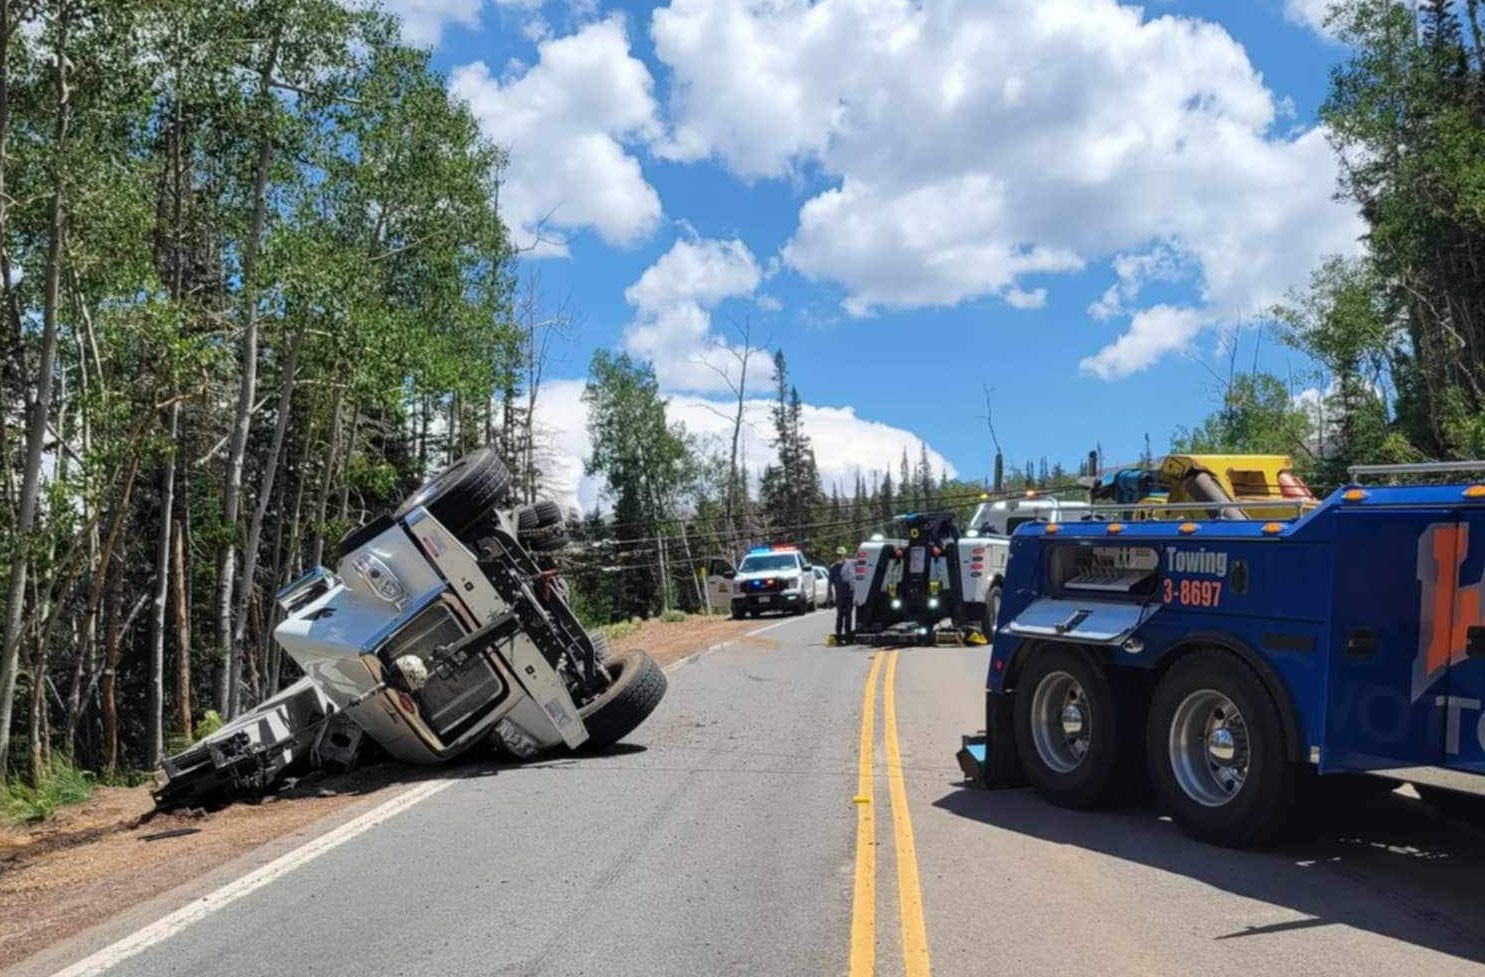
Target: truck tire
(542, 512)
(992, 610)
(1215, 742)
(1074, 732)
(636, 690)
(463, 494)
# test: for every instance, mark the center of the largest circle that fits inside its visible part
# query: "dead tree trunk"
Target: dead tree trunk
(182, 633)
(155, 741)
(246, 391)
(260, 512)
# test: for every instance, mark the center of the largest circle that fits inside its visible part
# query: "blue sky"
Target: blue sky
(1070, 202)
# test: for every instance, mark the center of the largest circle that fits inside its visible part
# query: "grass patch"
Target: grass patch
(619, 629)
(674, 617)
(21, 803)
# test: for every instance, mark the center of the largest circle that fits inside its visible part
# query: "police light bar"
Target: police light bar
(775, 548)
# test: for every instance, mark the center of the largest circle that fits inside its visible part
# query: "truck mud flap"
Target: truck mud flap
(989, 759)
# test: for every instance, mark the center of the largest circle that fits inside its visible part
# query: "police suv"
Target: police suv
(773, 578)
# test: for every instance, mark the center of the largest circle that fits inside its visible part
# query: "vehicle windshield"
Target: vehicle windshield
(763, 562)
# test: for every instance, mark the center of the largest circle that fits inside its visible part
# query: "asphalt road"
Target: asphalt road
(723, 839)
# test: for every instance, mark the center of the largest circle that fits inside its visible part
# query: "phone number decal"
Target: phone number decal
(1192, 593)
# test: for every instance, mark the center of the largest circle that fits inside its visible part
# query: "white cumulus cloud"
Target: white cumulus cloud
(673, 302)
(1310, 13)
(1152, 333)
(424, 21)
(845, 443)
(978, 149)
(569, 122)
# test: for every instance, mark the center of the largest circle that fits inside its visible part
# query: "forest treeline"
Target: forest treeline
(254, 286)
(250, 265)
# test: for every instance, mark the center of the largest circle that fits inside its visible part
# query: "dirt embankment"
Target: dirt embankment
(88, 862)
(670, 641)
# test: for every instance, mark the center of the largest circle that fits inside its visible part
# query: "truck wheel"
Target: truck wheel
(992, 610)
(542, 512)
(637, 689)
(1072, 731)
(1215, 743)
(462, 495)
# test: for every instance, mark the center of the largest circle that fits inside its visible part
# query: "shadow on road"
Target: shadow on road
(381, 772)
(1389, 866)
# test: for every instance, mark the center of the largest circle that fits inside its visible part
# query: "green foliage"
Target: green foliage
(380, 292)
(620, 629)
(210, 722)
(1407, 116)
(1258, 416)
(61, 785)
(674, 616)
(646, 463)
(789, 489)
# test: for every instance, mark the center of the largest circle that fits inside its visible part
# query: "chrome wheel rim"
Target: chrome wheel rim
(1209, 748)
(1061, 723)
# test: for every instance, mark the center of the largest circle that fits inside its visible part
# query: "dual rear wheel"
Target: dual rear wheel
(1211, 738)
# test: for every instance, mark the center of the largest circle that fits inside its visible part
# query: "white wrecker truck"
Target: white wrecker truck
(929, 583)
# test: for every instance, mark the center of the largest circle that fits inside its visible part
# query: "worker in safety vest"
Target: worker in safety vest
(842, 573)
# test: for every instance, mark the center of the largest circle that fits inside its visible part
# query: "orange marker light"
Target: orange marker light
(1053, 529)
(1115, 528)
(1272, 528)
(1475, 492)
(1353, 495)
(1188, 527)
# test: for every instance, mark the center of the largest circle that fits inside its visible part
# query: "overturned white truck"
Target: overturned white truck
(438, 630)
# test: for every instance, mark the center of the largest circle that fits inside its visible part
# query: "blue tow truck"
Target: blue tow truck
(1232, 659)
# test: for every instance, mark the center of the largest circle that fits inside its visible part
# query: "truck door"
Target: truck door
(1463, 694)
(1394, 592)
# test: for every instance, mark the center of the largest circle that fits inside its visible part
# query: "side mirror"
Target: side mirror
(728, 574)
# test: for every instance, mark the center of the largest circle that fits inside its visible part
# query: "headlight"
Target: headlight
(896, 604)
(933, 602)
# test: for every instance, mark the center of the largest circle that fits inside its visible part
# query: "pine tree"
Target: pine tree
(924, 475)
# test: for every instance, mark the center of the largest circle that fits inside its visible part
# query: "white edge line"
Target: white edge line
(162, 929)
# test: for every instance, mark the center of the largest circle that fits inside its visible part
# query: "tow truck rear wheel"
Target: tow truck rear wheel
(992, 610)
(1077, 738)
(1215, 743)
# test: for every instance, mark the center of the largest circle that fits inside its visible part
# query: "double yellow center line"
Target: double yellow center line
(909, 893)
